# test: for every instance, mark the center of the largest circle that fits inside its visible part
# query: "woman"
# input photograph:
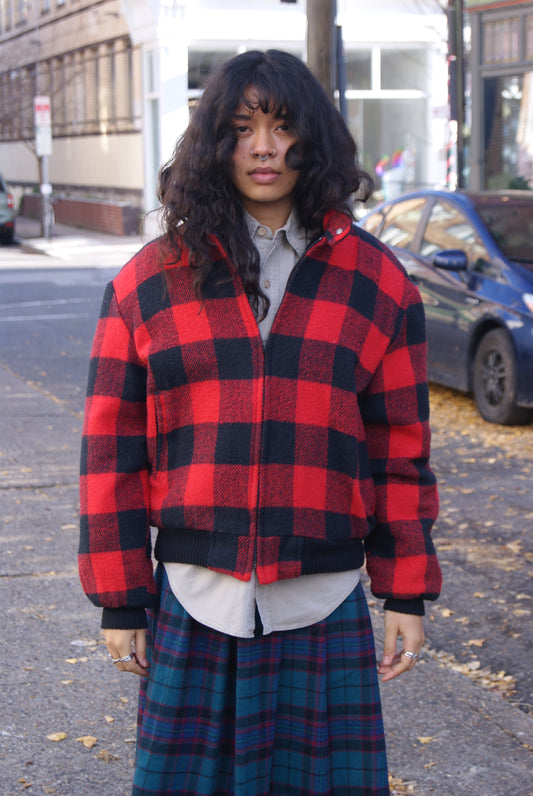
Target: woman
(258, 395)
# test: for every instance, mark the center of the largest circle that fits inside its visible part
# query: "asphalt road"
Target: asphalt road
(462, 723)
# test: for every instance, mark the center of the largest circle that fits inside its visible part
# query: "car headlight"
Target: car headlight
(528, 300)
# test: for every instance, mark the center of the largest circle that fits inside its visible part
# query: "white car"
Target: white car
(7, 213)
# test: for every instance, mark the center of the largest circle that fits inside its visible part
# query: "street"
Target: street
(56, 676)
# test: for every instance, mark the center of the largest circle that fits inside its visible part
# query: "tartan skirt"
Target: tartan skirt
(293, 713)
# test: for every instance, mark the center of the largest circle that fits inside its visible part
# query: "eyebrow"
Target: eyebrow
(245, 116)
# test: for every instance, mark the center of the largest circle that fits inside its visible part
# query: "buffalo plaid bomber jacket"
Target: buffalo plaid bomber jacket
(290, 458)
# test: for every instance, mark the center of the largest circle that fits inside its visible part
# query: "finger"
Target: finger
(131, 665)
(402, 663)
(140, 649)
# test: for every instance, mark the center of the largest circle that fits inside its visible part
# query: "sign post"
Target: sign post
(43, 146)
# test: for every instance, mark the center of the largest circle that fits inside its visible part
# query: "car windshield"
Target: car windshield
(511, 226)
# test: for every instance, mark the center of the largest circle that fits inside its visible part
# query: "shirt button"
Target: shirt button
(261, 231)
(339, 230)
(266, 283)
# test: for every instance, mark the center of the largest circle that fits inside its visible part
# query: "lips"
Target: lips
(264, 176)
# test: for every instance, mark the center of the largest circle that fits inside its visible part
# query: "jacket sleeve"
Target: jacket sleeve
(115, 548)
(401, 558)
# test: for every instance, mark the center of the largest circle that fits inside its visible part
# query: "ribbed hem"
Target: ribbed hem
(123, 619)
(414, 607)
(221, 551)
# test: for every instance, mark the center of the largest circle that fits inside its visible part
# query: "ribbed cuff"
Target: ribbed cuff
(415, 607)
(123, 619)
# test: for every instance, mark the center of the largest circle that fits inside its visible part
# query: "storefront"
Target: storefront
(501, 152)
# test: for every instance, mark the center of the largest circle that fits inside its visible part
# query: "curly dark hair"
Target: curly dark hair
(196, 188)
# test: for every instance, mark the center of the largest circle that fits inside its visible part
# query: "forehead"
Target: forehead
(254, 99)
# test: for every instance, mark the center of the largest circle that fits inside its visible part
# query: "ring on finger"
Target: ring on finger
(412, 655)
(125, 659)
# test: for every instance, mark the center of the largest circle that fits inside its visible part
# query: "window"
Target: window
(359, 70)
(402, 222)
(501, 41)
(91, 91)
(508, 128)
(529, 37)
(373, 223)
(448, 228)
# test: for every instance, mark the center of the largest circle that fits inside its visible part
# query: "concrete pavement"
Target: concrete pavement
(82, 247)
(67, 716)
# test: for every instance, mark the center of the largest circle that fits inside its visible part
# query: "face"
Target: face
(265, 184)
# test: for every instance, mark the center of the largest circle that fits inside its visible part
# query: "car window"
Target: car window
(402, 222)
(449, 228)
(511, 226)
(373, 222)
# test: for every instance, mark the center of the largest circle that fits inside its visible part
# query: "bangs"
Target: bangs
(265, 97)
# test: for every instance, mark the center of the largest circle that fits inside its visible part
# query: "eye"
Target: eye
(284, 127)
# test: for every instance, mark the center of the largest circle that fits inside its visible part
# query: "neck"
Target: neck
(272, 217)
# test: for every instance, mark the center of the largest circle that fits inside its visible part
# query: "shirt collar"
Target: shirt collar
(291, 230)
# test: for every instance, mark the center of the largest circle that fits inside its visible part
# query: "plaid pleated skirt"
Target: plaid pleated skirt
(294, 713)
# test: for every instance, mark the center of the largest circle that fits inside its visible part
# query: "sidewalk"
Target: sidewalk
(68, 717)
(81, 247)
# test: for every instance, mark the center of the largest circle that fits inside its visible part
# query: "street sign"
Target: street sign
(43, 125)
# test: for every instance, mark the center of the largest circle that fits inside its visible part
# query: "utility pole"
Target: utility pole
(321, 43)
(456, 72)
(43, 139)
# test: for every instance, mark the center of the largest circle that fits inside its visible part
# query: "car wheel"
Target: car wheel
(495, 380)
(8, 235)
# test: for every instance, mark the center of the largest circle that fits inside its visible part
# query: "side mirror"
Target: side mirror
(451, 260)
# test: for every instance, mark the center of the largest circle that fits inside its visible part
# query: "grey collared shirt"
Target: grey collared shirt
(221, 601)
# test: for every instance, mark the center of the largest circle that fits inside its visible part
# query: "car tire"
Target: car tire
(494, 381)
(8, 236)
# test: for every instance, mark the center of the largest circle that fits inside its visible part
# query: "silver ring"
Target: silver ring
(263, 158)
(125, 659)
(412, 655)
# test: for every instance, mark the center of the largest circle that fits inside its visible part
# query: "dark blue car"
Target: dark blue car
(471, 255)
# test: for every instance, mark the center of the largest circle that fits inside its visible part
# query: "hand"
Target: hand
(410, 629)
(119, 645)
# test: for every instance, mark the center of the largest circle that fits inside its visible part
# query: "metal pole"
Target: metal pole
(341, 75)
(45, 187)
(321, 42)
(456, 79)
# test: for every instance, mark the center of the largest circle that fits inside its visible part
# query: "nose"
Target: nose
(263, 144)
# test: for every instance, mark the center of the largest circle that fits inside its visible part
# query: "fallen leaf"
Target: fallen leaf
(109, 719)
(447, 612)
(71, 660)
(88, 741)
(57, 736)
(474, 642)
(427, 738)
(103, 754)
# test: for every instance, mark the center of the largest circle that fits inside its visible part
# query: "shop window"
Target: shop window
(501, 41)
(508, 130)
(201, 64)
(529, 37)
(359, 70)
(404, 69)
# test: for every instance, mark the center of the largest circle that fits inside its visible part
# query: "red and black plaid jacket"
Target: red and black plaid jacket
(289, 458)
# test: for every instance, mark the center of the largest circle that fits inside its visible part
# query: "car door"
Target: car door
(452, 303)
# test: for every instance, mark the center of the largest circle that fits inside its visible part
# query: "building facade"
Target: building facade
(501, 150)
(121, 75)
